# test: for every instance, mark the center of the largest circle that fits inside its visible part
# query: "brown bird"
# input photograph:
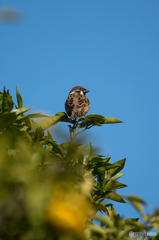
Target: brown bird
(77, 104)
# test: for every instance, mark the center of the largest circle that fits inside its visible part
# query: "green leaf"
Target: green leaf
(21, 110)
(28, 122)
(39, 133)
(57, 148)
(27, 136)
(36, 115)
(50, 121)
(111, 120)
(102, 207)
(117, 176)
(93, 158)
(116, 167)
(7, 102)
(7, 119)
(114, 196)
(19, 99)
(97, 230)
(97, 120)
(137, 202)
(113, 210)
(114, 185)
(105, 221)
(91, 149)
(130, 221)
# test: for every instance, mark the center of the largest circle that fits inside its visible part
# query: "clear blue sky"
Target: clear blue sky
(110, 48)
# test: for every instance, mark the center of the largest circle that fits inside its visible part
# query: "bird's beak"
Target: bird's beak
(86, 91)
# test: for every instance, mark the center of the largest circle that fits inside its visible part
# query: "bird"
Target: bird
(77, 104)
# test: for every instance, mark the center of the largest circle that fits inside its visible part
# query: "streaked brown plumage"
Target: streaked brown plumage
(77, 104)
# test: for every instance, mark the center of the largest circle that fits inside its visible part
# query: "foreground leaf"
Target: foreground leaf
(7, 119)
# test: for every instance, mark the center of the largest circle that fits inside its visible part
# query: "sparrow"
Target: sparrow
(77, 104)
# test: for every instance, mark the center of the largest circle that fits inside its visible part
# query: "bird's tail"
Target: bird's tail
(76, 115)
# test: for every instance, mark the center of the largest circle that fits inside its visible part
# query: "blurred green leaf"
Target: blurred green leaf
(105, 221)
(36, 115)
(130, 221)
(91, 149)
(7, 119)
(57, 148)
(137, 202)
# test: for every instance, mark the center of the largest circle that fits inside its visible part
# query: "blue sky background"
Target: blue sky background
(110, 48)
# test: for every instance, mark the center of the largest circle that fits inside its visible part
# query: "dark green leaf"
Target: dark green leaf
(130, 221)
(19, 99)
(7, 119)
(115, 197)
(91, 149)
(28, 122)
(116, 167)
(117, 176)
(7, 103)
(93, 158)
(39, 133)
(114, 185)
(57, 148)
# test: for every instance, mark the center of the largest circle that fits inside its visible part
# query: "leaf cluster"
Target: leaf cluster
(51, 190)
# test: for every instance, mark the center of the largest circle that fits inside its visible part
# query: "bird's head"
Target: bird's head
(79, 90)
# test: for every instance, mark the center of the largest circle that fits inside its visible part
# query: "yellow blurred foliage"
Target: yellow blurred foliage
(68, 210)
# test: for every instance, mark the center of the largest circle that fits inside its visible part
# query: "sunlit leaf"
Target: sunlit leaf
(21, 110)
(117, 176)
(112, 120)
(50, 121)
(105, 210)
